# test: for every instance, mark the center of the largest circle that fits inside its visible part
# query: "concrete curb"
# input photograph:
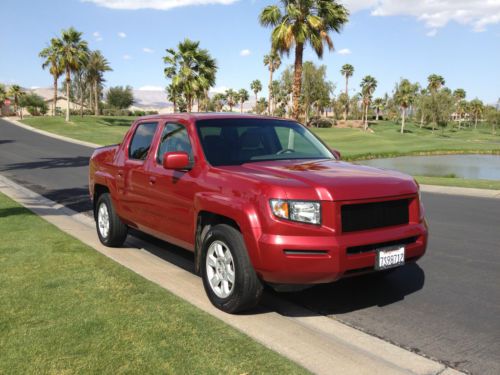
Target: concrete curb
(320, 344)
(453, 190)
(52, 135)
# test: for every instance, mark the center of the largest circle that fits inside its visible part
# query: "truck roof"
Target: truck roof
(193, 116)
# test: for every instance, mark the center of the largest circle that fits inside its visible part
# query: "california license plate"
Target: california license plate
(389, 257)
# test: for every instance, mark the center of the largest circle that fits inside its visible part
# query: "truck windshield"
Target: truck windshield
(238, 141)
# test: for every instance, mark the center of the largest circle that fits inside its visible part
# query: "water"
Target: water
(466, 166)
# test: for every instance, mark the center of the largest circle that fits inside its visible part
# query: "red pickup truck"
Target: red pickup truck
(258, 200)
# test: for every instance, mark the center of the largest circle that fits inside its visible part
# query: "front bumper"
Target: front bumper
(323, 259)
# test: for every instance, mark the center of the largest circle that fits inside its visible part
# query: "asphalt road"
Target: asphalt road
(446, 307)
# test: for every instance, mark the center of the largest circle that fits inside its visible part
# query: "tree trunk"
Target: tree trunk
(347, 97)
(271, 69)
(81, 102)
(377, 113)
(297, 79)
(55, 97)
(422, 120)
(68, 81)
(475, 122)
(96, 99)
(403, 121)
(366, 116)
(241, 107)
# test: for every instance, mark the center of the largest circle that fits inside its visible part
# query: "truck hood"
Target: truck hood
(335, 180)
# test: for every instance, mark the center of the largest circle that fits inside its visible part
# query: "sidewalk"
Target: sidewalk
(320, 344)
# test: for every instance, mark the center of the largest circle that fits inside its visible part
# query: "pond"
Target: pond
(466, 166)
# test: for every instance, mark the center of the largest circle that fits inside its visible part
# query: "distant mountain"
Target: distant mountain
(151, 99)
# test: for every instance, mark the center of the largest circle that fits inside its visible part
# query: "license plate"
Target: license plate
(389, 257)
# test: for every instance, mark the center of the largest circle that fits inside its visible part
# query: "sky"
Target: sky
(388, 39)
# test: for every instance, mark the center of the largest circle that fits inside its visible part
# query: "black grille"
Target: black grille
(374, 215)
(372, 247)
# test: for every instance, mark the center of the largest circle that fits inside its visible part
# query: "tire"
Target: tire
(110, 229)
(246, 289)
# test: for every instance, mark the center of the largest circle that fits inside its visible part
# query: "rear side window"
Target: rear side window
(141, 141)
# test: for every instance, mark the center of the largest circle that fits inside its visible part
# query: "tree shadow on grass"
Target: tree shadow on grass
(115, 122)
(12, 211)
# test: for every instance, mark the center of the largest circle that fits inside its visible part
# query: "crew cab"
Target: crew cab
(259, 200)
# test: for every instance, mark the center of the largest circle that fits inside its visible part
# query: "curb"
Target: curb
(52, 135)
(320, 344)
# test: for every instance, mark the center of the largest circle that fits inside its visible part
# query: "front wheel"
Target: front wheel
(228, 275)
(110, 229)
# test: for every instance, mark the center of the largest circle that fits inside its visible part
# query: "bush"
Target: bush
(116, 112)
(120, 97)
(321, 122)
(35, 104)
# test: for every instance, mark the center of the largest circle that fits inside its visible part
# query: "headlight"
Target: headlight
(301, 211)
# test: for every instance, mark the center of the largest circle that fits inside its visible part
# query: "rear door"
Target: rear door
(135, 178)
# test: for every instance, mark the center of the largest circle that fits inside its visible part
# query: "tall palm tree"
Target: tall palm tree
(459, 95)
(230, 96)
(273, 61)
(368, 86)
(256, 87)
(435, 82)
(347, 71)
(298, 22)
(191, 70)
(53, 62)
(243, 96)
(476, 108)
(3, 94)
(96, 67)
(404, 96)
(73, 53)
(16, 92)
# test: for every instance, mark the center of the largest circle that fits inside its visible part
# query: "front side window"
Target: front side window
(141, 141)
(238, 141)
(174, 138)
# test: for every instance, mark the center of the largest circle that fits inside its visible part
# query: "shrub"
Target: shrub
(321, 122)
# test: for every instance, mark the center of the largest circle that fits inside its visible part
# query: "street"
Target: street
(446, 307)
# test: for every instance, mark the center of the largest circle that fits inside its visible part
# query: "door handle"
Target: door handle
(152, 180)
(120, 174)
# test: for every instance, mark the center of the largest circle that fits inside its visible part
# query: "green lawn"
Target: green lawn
(354, 144)
(67, 309)
(460, 182)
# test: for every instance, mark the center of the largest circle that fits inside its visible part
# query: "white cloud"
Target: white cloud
(97, 36)
(245, 52)
(431, 32)
(127, 57)
(344, 51)
(34, 87)
(218, 90)
(147, 50)
(121, 34)
(435, 14)
(151, 88)
(154, 4)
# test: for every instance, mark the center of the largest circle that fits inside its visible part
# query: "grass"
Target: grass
(354, 144)
(460, 182)
(68, 309)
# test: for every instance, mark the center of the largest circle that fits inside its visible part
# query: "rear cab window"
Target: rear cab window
(140, 144)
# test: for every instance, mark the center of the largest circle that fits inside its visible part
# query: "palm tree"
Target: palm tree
(73, 53)
(378, 103)
(219, 100)
(273, 61)
(404, 96)
(476, 108)
(347, 71)
(243, 96)
(422, 97)
(256, 87)
(368, 86)
(52, 61)
(298, 22)
(459, 95)
(435, 82)
(96, 66)
(230, 96)
(191, 69)
(3, 94)
(15, 92)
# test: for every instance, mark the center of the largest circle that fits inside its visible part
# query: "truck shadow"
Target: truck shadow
(357, 293)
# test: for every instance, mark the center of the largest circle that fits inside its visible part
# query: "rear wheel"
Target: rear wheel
(110, 229)
(228, 275)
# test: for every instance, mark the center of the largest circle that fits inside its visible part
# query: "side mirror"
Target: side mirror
(336, 153)
(177, 160)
